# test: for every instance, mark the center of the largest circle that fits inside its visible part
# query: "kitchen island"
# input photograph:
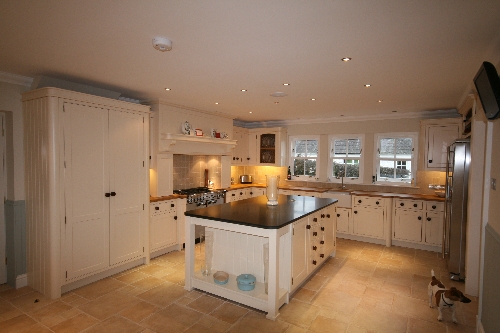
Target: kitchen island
(299, 234)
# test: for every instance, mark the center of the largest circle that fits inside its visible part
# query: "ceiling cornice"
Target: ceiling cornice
(449, 113)
(163, 102)
(16, 79)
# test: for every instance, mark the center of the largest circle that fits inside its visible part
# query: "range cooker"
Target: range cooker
(198, 197)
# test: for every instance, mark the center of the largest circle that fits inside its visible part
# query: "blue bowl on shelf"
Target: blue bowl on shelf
(246, 282)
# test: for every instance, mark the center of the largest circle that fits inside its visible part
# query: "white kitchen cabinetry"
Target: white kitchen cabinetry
(256, 191)
(300, 252)
(369, 217)
(343, 219)
(241, 155)
(267, 146)
(87, 193)
(438, 134)
(163, 231)
(418, 222)
(239, 194)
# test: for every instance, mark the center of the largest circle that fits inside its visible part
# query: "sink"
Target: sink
(342, 195)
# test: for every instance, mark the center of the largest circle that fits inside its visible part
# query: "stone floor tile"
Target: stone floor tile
(380, 320)
(327, 325)
(99, 288)
(75, 324)
(109, 304)
(139, 311)
(116, 325)
(230, 313)
(205, 304)
(298, 313)
(17, 323)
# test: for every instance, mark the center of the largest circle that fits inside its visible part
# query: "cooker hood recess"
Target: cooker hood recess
(195, 145)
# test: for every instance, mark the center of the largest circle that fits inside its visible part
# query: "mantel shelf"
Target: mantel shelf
(191, 145)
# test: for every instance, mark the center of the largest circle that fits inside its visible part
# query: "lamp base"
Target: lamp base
(272, 202)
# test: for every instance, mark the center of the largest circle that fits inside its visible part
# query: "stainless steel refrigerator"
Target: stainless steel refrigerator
(455, 224)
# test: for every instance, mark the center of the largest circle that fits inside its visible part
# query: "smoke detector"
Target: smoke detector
(162, 44)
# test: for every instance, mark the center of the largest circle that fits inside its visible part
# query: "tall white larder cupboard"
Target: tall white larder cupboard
(87, 188)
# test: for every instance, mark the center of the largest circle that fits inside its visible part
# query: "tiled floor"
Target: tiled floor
(366, 288)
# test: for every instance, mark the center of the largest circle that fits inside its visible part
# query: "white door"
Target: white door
(127, 183)
(439, 138)
(434, 228)
(3, 177)
(85, 242)
(408, 225)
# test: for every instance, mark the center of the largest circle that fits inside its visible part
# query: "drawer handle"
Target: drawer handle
(157, 208)
(113, 194)
(402, 204)
(322, 242)
(419, 218)
(233, 194)
(322, 216)
(355, 212)
(314, 262)
(315, 233)
(338, 215)
(327, 216)
(321, 255)
(377, 203)
(251, 193)
(359, 201)
(428, 219)
(315, 247)
(315, 219)
(308, 226)
(175, 217)
(415, 205)
(241, 193)
(172, 205)
(107, 195)
(433, 206)
(322, 229)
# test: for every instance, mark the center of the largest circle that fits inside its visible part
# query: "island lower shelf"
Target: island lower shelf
(256, 298)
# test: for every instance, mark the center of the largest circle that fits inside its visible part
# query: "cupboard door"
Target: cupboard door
(343, 220)
(368, 221)
(438, 139)
(126, 138)
(408, 225)
(85, 241)
(434, 228)
(299, 252)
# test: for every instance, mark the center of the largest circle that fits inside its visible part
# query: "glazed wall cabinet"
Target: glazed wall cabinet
(87, 191)
(267, 146)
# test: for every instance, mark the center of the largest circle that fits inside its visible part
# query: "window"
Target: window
(346, 159)
(396, 157)
(304, 156)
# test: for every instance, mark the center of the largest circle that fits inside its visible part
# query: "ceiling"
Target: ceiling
(417, 55)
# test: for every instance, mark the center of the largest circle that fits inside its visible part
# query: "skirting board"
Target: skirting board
(21, 281)
(480, 328)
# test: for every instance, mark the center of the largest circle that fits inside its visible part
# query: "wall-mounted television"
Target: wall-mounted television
(487, 85)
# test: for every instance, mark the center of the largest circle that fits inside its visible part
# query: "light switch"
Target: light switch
(493, 184)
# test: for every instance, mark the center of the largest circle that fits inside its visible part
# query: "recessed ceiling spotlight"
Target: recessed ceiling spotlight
(286, 84)
(276, 102)
(380, 101)
(313, 99)
(346, 59)
(216, 103)
(368, 85)
(167, 89)
(250, 112)
(243, 90)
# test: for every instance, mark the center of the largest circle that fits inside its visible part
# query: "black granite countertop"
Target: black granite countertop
(255, 212)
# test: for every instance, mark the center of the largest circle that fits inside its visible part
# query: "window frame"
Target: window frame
(347, 180)
(292, 140)
(414, 158)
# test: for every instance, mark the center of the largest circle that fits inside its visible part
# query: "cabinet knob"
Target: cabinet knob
(175, 217)
(237, 158)
(355, 212)
(402, 204)
(430, 161)
(314, 262)
(315, 233)
(315, 247)
(234, 158)
(428, 219)
(308, 226)
(321, 255)
(322, 228)
(172, 205)
(419, 218)
(322, 242)
(157, 208)
(322, 216)
(327, 216)
(233, 194)
(376, 202)
(415, 205)
(359, 201)
(315, 219)
(251, 193)
(338, 215)
(433, 206)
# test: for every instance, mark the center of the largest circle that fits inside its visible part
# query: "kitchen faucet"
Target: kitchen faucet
(341, 174)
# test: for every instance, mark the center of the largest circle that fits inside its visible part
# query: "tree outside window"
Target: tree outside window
(395, 158)
(346, 155)
(305, 155)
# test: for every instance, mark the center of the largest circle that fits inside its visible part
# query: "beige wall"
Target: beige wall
(10, 104)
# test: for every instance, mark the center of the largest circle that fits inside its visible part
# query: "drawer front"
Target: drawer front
(434, 206)
(408, 204)
(360, 200)
(163, 208)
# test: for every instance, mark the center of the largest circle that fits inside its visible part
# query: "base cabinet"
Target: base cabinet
(343, 218)
(163, 225)
(88, 191)
(299, 252)
(434, 228)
